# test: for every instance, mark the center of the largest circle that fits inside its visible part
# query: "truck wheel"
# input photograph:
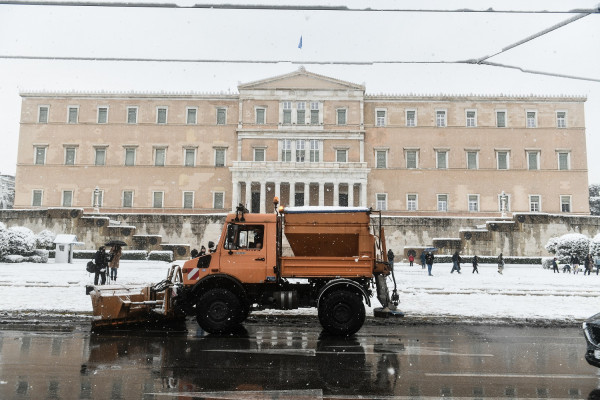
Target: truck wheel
(218, 311)
(342, 313)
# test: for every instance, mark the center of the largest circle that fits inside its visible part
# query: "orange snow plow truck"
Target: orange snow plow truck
(338, 259)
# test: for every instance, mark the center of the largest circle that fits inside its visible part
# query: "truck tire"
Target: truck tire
(219, 311)
(342, 313)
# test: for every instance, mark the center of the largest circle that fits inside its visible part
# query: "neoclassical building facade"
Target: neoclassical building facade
(308, 139)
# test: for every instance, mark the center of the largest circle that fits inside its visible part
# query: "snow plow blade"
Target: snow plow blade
(120, 306)
(387, 313)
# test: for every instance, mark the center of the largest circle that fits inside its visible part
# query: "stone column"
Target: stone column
(306, 193)
(235, 195)
(321, 194)
(363, 195)
(336, 194)
(263, 196)
(248, 195)
(278, 190)
(350, 194)
(292, 194)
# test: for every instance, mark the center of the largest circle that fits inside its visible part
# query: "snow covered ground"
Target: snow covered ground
(523, 292)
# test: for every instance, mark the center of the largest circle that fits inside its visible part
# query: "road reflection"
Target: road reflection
(291, 363)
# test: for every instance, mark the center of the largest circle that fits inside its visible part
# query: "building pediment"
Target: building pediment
(300, 80)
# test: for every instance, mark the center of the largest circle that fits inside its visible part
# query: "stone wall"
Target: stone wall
(518, 235)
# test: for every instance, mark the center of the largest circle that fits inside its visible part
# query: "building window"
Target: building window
(381, 201)
(286, 150)
(411, 118)
(501, 119)
(219, 200)
(36, 198)
(221, 116)
(189, 157)
(158, 199)
(102, 115)
(40, 155)
(220, 157)
(442, 202)
(70, 155)
(259, 154)
(380, 117)
(130, 156)
(314, 113)
(300, 113)
(473, 202)
(440, 118)
(471, 118)
(43, 112)
(67, 198)
(341, 116)
(191, 116)
(411, 202)
(564, 161)
(100, 156)
(73, 115)
(341, 156)
(381, 159)
(132, 113)
(128, 198)
(161, 115)
(315, 154)
(565, 204)
(260, 115)
(412, 159)
(561, 119)
(533, 160)
(100, 199)
(160, 156)
(535, 203)
(441, 159)
(502, 160)
(531, 119)
(188, 199)
(300, 150)
(287, 112)
(472, 159)
(507, 205)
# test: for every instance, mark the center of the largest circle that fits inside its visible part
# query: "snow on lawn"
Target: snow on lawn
(523, 291)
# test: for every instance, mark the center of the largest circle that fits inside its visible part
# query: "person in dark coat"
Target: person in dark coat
(475, 264)
(575, 263)
(101, 260)
(555, 265)
(500, 264)
(429, 261)
(589, 265)
(423, 261)
(455, 262)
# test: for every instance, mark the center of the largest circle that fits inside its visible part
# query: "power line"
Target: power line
(226, 6)
(323, 62)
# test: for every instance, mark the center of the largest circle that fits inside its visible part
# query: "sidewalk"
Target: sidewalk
(521, 294)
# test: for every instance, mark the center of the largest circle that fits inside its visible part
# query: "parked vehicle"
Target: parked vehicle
(337, 260)
(591, 332)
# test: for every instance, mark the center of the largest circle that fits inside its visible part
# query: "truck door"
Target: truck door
(245, 253)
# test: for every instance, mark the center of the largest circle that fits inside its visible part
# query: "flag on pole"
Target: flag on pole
(300, 43)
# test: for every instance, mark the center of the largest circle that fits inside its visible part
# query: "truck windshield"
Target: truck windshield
(244, 237)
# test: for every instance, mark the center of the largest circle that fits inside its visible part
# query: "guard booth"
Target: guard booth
(64, 248)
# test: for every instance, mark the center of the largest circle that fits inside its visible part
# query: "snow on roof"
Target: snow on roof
(66, 239)
(323, 209)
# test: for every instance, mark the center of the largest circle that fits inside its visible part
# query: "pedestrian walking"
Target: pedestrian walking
(500, 264)
(411, 259)
(575, 263)
(475, 264)
(455, 262)
(423, 259)
(555, 266)
(115, 258)
(429, 261)
(588, 264)
(101, 261)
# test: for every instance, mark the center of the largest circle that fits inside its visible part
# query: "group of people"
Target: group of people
(428, 257)
(103, 261)
(574, 265)
(211, 249)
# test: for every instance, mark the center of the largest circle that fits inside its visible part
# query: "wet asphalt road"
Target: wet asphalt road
(291, 360)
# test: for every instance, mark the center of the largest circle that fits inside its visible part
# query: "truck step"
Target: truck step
(387, 313)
